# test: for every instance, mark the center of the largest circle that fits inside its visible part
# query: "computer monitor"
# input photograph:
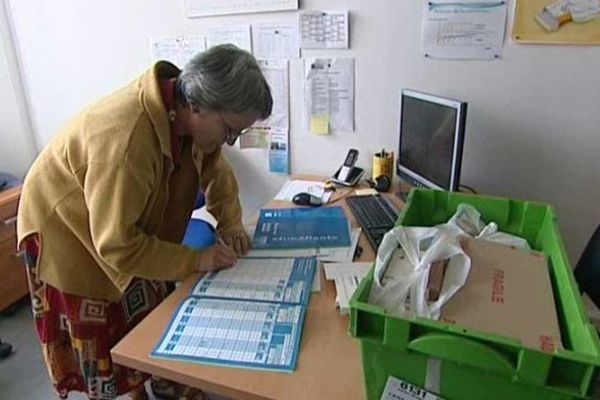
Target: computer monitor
(432, 130)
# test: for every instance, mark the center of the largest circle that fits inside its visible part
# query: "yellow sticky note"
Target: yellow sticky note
(319, 124)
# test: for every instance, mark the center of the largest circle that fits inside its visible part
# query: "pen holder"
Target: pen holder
(383, 164)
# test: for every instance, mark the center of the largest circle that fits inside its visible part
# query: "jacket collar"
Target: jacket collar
(150, 97)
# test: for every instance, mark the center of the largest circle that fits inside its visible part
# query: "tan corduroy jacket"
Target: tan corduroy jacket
(97, 194)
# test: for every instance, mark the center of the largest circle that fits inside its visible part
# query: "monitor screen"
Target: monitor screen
(431, 140)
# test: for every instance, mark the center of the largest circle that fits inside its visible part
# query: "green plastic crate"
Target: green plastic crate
(470, 364)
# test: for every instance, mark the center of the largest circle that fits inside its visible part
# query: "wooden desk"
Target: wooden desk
(329, 365)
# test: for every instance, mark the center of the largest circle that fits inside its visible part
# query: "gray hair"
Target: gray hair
(225, 78)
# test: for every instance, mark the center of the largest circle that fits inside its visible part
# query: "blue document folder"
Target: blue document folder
(248, 316)
(289, 228)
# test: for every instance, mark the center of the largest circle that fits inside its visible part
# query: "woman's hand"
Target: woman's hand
(217, 257)
(238, 239)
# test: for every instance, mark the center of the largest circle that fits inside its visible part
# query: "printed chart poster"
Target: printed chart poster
(557, 22)
(463, 30)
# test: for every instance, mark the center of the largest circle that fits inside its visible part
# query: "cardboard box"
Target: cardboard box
(436, 279)
(508, 292)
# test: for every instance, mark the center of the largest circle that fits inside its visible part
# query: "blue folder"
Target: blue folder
(298, 228)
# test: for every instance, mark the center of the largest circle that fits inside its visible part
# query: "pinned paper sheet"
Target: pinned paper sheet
(203, 8)
(324, 29)
(278, 39)
(238, 35)
(276, 72)
(329, 95)
(279, 151)
(319, 124)
(471, 29)
(178, 50)
(257, 138)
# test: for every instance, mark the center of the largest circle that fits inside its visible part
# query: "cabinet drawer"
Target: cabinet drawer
(8, 229)
(9, 200)
(13, 280)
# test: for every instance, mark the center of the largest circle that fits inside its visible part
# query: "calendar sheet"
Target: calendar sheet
(248, 316)
(324, 29)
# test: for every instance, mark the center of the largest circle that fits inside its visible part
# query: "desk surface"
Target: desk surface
(329, 365)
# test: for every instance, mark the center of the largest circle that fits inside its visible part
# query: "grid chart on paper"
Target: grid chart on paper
(319, 29)
(278, 280)
(234, 333)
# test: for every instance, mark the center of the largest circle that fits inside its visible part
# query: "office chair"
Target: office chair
(587, 270)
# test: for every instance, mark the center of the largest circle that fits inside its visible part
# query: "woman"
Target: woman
(105, 206)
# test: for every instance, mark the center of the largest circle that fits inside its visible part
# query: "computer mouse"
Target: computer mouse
(307, 199)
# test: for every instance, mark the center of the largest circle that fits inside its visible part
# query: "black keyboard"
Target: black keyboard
(375, 215)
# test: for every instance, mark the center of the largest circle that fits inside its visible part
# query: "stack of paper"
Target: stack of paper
(347, 277)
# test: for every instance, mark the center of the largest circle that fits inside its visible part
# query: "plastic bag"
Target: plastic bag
(402, 269)
(405, 256)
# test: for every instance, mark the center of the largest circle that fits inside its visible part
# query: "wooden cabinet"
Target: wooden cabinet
(13, 280)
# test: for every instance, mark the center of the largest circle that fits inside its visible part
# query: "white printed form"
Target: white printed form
(324, 29)
(203, 8)
(238, 35)
(329, 94)
(273, 131)
(177, 50)
(276, 72)
(276, 39)
(463, 30)
(255, 279)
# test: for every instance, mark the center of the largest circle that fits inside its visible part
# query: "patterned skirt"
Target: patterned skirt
(77, 333)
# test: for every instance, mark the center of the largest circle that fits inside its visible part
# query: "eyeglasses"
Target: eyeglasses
(232, 134)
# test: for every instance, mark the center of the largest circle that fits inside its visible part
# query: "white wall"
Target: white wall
(17, 145)
(534, 115)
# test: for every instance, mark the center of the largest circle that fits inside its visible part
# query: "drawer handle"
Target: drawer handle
(20, 254)
(9, 221)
